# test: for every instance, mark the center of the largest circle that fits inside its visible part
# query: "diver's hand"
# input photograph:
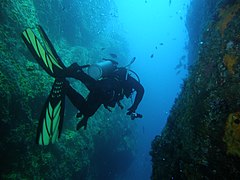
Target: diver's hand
(82, 123)
(136, 115)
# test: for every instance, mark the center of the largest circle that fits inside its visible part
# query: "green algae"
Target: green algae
(24, 86)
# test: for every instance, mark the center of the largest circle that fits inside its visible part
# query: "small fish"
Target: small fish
(103, 49)
(145, 1)
(113, 15)
(156, 47)
(161, 44)
(113, 55)
(152, 55)
(178, 66)
(178, 72)
(170, 2)
(183, 57)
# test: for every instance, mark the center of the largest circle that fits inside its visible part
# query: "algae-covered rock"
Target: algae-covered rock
(201, 138)
(24, 87)
(232, 134)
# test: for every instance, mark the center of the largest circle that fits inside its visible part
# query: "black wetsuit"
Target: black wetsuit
(107, 91)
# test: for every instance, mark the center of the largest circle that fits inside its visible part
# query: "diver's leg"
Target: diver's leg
(76, 99)
(87, 107)
(91, 106)
(75, 71)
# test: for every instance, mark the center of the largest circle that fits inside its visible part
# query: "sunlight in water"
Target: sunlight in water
(157, 37)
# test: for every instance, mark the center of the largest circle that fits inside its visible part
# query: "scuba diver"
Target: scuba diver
(107, 84)
(107, 91)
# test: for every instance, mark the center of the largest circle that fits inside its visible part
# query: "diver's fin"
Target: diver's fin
(45, 54)
(51, 118)
(48, 45)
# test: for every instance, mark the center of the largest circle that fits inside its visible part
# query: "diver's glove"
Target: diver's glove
(136, 115)
(82, 123)
(132, 114)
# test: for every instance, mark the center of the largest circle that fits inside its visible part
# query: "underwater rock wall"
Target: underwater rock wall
(24, 87)
(196, 22)
(82, 27)
(202, 134)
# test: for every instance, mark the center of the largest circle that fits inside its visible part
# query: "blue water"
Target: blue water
(154, 27)
(156, 33)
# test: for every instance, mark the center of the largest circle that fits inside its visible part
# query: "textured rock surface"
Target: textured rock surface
(24, 87)
(201, 137)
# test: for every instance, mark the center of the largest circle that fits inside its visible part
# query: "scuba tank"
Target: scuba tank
(106, 67)
(102, 69)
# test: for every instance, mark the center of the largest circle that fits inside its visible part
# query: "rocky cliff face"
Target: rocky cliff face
(24, 87)
(202, 135)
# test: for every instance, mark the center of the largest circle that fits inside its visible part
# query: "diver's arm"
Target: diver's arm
(140, 91)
